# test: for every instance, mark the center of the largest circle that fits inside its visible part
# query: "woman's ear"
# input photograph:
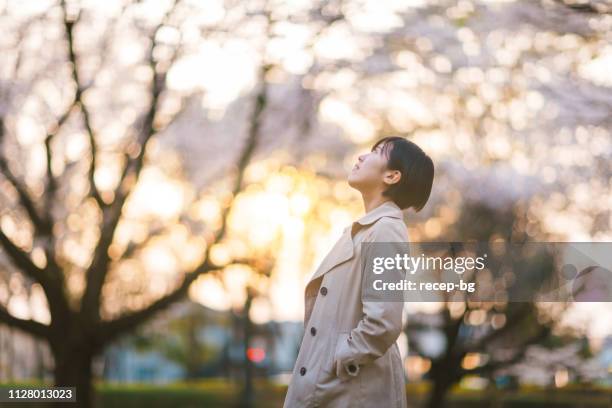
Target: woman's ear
(392, 177)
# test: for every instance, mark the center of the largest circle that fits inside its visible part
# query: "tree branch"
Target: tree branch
(29, 326)
(51, 186)
(116, 327)
(586, 7)
(134, 247)
(40, 225)
(98, 269)
(21, 259)
(80, 89)
(51, 285)
(50, 192)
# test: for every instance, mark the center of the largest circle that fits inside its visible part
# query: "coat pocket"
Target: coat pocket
(341, 341)
(340, 350)
(334, 347)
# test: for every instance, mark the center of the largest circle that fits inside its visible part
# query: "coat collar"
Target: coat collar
(343, 250)
(386, 209)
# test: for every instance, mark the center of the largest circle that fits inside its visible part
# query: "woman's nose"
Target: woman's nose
(361, 157)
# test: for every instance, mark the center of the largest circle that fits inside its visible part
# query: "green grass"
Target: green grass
(220, 393)
(573, 396)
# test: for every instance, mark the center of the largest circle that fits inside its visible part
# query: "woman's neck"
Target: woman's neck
(371, 202)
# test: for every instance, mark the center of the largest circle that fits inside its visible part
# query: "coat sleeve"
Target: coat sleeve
(381, 323)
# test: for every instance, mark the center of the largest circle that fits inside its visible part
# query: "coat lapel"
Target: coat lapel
(343, 250)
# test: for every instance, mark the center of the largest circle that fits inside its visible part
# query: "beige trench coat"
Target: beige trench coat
(348, 356)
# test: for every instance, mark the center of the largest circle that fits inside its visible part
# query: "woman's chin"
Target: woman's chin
(353, 182)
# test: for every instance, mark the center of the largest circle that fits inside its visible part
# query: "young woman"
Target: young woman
(348, 356)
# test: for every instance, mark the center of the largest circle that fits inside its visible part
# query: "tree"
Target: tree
(69, 230)
(77, 332)
(483, 337)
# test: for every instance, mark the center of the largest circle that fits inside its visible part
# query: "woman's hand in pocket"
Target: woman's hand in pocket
(344, 365)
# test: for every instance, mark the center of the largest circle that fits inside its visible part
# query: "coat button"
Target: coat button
(323, 290)
(302, 370)
(352, 368)
(313, 331)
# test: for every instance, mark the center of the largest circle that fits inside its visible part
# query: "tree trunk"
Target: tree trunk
(73, 369)
(248, 395)
(438, 394)
(442, 378)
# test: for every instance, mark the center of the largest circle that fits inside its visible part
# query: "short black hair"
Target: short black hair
(417, 170)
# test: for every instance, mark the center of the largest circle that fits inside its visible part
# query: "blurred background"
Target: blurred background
(172, 172)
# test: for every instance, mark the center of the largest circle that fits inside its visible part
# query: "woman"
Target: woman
(348, 356)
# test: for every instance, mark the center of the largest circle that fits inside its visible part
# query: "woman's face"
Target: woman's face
(368, 173)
